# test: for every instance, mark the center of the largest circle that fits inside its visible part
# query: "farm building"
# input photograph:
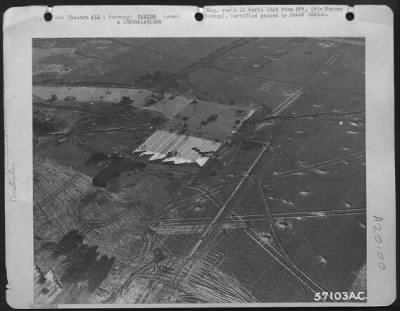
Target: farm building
(172, 147)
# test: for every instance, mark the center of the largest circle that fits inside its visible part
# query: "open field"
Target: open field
(195, 170)
(209, 120)
(169, 105)
(87, 94)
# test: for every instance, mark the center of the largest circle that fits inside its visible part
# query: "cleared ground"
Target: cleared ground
(276, 213)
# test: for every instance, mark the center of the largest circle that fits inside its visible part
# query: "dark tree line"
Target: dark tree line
(81, 261)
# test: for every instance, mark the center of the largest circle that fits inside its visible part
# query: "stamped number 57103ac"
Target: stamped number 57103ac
(340, 296)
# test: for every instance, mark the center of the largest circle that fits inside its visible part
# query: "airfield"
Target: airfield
(198, 170)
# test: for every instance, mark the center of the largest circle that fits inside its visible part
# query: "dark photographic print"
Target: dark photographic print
(199, 170)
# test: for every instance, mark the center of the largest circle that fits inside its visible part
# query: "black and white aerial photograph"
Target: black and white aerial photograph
(199, 170)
